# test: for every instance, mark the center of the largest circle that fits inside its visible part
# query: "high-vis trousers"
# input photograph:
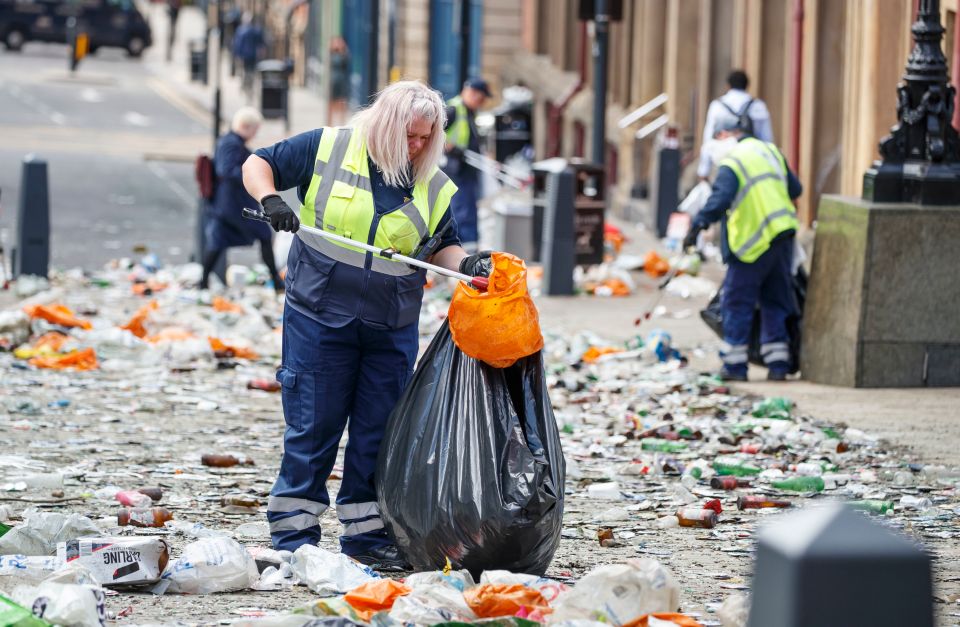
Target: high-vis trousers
(329, 375)
(766, 281)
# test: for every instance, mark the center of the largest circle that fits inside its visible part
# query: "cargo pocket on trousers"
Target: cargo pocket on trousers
(290, 397)
(408, 299)
(310, 280)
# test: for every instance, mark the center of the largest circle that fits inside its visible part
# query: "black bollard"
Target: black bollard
(826, 566)
(33, 220)
(558, 248)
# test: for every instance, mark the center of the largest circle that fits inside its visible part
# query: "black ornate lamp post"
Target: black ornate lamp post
(920, 159)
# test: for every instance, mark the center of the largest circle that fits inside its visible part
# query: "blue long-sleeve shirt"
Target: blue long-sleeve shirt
(725, 188)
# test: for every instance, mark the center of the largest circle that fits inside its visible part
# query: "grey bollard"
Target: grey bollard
(830, 567)
(33, 220)
(558, 248)
(665, 188)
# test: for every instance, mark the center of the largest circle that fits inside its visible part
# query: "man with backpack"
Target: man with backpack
(752, 114)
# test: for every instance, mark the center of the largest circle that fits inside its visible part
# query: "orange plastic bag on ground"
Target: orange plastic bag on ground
(220, 349)
(135, 325)
(85, 359)
(594, 353)
(375, 596)
(498, 599)
(655, 265)
(47, 344)
(56, 314)
(223, 305)
(501, 325)
(676, 619)
(171, 334)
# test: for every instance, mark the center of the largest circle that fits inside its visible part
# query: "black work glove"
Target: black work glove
(690, 241)
(282, 217)
(478, 264)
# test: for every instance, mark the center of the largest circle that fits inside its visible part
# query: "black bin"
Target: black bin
(589, 201)
(274, 88)
(513, 130)
(198, 60)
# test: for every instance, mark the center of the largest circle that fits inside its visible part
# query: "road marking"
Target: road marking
(91, 95)
(136, 119)
(188, 198)
(193, 109)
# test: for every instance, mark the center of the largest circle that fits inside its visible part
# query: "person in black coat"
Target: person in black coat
(226, 227)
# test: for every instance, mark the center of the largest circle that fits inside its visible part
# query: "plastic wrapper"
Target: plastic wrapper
(57, 314)
(328, 573)
(491, 600)
(548, 588)
(712, 315)
(501, 325)
(65, 604)
(117, 561)
(42, 531)
(13, 614)
(215, 564)
(470, 468)
(430, 605)
(620, 593)
(375, 596)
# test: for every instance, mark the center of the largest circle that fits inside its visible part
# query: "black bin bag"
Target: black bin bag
(470, 467)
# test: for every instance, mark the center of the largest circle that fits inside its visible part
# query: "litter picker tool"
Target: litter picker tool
(674, 271)
(479, 282)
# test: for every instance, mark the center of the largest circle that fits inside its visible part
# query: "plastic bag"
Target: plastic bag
(499, 599)
(215, 564)
(64, 603)
(696, 199)
(620, 593)
(430, 605)
(501, 325)
(84, 359)
(375, 596)
(42, 531)
(328, 573)
(56, 314)
(470, 467)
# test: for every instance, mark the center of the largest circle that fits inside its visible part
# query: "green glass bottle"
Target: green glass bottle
(800, 484)
(774, 407)
(663, 446)
(4, 529)
(873, 506)
(13, 614)
(735, 470)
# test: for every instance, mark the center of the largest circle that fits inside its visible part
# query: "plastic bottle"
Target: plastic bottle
(133, 498)
(662, 446)
(809, 469)
(728, 483)
(915, 502)
(696, 517)
(760, 502)
(223, 461)
(873, 506)
(51, 480)
(239, 500)
(143, 517)
(800, 484)
(736, 470)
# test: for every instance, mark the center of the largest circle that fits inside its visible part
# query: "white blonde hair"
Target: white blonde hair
(245, 118)
(385, 123)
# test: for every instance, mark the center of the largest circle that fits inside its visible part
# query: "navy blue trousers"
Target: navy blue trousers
(766, 281)
(464, 206)
(335, 378)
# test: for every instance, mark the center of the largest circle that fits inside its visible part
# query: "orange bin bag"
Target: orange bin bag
(499, 599)
(501, 325)
(135, 325)
(57, 314)
(375, 596)
(85, 359)
(676, 619)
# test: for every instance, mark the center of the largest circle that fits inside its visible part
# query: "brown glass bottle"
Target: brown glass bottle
(143, 516)
(760, 502)
(695, 517)
(155, 494)
(239, 500)
(728, 483)
(223, 461)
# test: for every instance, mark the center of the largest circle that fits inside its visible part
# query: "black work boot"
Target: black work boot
(384, 558)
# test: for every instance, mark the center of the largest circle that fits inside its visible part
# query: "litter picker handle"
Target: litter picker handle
(479, 282)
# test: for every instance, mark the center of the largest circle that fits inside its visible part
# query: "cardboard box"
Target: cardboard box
(118, 561)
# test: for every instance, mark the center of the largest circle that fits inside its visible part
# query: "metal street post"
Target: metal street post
(216, 90)
(601, 24)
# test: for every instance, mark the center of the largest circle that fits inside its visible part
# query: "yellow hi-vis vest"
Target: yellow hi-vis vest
(762, 208)
(340, 200)
(458, 133)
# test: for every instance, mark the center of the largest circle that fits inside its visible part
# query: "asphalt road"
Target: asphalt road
(119, 156)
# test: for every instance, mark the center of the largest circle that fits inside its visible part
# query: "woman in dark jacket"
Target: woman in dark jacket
(226, 227)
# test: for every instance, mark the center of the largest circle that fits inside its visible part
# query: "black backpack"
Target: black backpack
(744, 121)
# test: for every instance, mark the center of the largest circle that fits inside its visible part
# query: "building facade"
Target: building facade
(827, 69)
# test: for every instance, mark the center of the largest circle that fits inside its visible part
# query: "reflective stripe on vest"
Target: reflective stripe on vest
(762, 208)
(458, 133)
(340, 200)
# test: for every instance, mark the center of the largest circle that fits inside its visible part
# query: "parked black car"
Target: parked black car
(115, 23)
